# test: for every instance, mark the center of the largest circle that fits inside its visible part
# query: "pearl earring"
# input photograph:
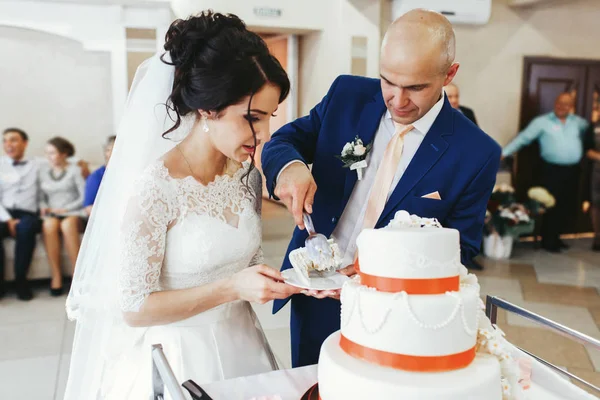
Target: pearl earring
(205, 124)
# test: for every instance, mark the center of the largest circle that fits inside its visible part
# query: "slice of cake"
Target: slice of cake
(306, 269)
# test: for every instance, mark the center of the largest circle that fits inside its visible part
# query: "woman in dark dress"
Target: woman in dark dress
(593, 153)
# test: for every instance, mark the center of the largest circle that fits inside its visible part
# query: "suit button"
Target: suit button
(334, 220)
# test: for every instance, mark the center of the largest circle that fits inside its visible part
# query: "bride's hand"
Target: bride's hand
(260, 284)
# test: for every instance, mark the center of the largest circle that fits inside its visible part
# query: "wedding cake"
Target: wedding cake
(411, 323)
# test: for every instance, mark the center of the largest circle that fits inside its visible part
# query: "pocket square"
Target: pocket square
(434, 195)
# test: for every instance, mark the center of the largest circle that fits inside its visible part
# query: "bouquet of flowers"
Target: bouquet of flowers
(506, 217)
(539, 201)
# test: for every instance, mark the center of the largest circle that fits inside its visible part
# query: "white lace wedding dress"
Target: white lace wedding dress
(181, 234)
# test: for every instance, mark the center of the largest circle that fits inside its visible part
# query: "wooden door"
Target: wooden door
(543, 80)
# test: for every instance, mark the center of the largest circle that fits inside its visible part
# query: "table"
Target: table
(291, 384)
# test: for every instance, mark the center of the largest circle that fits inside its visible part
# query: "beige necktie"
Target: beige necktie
(385, 176)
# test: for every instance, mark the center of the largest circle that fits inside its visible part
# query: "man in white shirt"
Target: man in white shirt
(426, 158)
(19, 194)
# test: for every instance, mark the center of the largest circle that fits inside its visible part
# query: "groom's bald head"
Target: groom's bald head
(421, 35)
(417, 60)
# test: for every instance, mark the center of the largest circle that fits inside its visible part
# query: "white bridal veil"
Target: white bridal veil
(93, 299)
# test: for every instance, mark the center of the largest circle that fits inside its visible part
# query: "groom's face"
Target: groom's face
(412, 83)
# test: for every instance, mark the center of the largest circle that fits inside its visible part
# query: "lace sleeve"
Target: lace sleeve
(143, 232)
(256, 186)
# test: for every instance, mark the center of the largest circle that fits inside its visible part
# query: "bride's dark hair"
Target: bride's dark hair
(217, 63)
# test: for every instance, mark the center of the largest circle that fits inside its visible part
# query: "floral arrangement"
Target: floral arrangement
(490, 340)
(354, 155)
(539, 200)
(504, 216)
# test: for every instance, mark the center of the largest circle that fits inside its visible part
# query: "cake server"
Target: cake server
(317, 246)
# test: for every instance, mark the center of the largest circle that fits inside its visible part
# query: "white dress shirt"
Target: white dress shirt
(351, 221)
(19, 187)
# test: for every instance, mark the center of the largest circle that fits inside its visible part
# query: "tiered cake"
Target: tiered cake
(409, 327)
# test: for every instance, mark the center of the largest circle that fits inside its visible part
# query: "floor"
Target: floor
(36, 337)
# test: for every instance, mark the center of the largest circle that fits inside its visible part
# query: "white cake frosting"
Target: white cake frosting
(409, 253)
(306, 269)
(342, 377)
(420, 314)
(432, 325)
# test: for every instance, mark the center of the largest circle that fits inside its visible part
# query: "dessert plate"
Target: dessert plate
(332, 281)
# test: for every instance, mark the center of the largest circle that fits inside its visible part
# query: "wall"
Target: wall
(326, 29)
(52, 86)
(67, 63)
(296, 15)
(328, 53)
(491, 56)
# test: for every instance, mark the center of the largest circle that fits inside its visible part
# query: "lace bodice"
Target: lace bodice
(178, 233)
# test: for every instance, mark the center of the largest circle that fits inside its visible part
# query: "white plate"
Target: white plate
(333, 282)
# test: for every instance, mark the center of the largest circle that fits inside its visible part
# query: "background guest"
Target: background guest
(93, 181)
(593, 153)
(560, 135)
(19, 192)
(62, 189)
(453, 94)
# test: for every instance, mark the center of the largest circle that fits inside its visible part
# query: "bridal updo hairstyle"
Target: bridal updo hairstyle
(217, 63)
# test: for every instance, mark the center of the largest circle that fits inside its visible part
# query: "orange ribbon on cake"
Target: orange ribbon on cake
(408, 363)
(410, 286)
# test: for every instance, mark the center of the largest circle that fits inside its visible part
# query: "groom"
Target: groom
(426, 158)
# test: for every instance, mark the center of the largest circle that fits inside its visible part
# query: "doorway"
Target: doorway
(284, 49)
(544, 79)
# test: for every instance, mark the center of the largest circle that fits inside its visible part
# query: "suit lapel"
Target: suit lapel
(430, 151)
(367, 127)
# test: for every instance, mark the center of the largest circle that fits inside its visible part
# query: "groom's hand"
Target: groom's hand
(334, 294)
(296, 188)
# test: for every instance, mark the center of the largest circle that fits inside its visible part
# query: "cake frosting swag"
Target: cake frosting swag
(411, 323)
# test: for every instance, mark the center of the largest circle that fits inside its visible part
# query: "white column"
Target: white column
(119, 74)
(161, 31)
(292, 64)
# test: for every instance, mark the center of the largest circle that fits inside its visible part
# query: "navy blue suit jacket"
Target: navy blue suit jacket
(456, 158)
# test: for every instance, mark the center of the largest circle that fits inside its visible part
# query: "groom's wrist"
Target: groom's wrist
(281, 171)
(284, 168)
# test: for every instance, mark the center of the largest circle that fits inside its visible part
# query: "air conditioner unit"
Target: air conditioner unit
(476, 12)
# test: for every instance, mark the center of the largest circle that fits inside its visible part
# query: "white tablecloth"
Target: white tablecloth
(291, 384)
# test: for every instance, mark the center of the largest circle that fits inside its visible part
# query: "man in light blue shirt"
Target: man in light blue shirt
(560, 135)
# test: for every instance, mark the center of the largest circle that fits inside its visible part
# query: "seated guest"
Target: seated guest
(19, 191)
(84, 167)
(62, 189)
(93, 181)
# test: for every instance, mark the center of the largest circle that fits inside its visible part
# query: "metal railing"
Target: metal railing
(491, 310)
(163, 376)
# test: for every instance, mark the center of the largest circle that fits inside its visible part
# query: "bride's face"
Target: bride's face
(231, 133)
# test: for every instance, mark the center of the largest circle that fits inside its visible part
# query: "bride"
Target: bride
(172, 252)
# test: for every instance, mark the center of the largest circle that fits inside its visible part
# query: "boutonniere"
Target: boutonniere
(354, 155)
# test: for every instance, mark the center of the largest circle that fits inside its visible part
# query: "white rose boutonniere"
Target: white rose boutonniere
(354, 155)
